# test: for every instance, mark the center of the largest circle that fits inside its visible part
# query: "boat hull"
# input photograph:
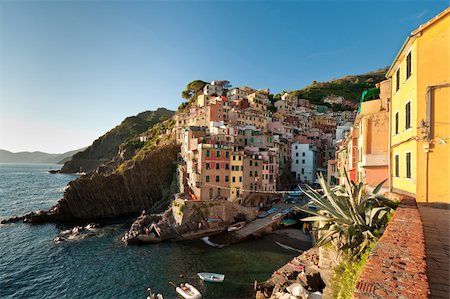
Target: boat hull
(211, 277)
(190, 292)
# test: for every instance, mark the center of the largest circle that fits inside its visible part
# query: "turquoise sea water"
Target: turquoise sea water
(101, 266)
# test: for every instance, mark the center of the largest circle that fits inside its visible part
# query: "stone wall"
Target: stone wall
(396, 267)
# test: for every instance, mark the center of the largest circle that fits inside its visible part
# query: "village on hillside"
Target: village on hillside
(235, 143)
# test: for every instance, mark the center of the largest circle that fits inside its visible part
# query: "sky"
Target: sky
(72, 70)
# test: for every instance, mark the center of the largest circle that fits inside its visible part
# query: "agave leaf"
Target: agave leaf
(317, 218)
(373, 214)
(378, 187)
(326, 238)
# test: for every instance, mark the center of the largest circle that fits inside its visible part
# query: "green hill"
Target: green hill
(106, 147)
(350, 87)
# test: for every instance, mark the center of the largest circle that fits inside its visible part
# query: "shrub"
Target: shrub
(346, 274)
(349, 216)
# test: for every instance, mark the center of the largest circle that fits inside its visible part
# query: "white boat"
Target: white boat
(277, 216)
(211, 277)
(188, 291)
(236, 226)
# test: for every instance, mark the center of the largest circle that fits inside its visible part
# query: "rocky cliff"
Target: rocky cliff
(106, 147)
(145, 184)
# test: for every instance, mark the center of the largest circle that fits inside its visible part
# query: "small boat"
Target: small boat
(215, 220)
(262, 214)
(188, 291)
(277, 216)
(288, 222)
(272, 210)
(211, 277)
(236, 226)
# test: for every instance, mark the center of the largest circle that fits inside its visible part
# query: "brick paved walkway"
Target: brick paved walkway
(436, 225)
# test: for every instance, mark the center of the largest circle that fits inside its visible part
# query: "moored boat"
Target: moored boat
(272, 210)
(215, 220)
(288, 222)
(211, 277)
(236, 226)
(262, 214)
(277, 216)
(188, 291)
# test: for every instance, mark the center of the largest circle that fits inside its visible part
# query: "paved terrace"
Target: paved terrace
(436, 225)
(411, 259)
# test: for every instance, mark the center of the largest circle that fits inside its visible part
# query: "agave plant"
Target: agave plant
(349, 216)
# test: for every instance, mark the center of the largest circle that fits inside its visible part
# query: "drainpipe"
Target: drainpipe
(428, 120)
(389, 145)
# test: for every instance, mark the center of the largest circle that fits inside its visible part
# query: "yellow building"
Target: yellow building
(420, 113)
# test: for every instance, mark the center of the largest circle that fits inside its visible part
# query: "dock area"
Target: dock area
(253, 229)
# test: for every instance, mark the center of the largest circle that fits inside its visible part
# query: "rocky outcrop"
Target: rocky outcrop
(146, 183)
(106, 147)
(186, 220)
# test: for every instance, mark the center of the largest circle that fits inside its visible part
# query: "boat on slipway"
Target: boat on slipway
(267, 213)
(188, 291)
(211, 277)
(277, 216)
(236, 226)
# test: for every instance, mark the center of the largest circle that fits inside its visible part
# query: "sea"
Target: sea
(32, 265)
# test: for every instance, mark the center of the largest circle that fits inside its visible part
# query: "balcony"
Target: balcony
(374, 160)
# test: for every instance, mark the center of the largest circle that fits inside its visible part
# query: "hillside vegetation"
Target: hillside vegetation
(106, 147)
(350, 87)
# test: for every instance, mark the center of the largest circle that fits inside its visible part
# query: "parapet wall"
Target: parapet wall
(396, 268)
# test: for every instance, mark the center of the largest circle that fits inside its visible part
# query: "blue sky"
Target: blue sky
(72, 70)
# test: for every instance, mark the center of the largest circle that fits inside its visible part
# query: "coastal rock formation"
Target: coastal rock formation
(146, 183)
(106, 147)
(186, 220)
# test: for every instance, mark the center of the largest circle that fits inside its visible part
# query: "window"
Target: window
(303, 171)
(397, 166)
(217, 178)
(208, 166)
(256, 173)
(227, 166)
(303, 154)
(217, 166)
(256, 163)
(296, 161)
(233, 179)
(227, 154)
(408, 65)
(227, 179)
(251, 173)
(397, 80)
(207, 178)
(240, 179)
(251, 162)
(296, 154)
(303, 161)
(208, 153)
(218, 154)
(408, 165)
(234, 158)
(296, 147)
(408, 115)
(396, 123)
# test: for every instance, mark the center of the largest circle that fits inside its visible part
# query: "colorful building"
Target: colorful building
(372, 124)
(420, 113)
